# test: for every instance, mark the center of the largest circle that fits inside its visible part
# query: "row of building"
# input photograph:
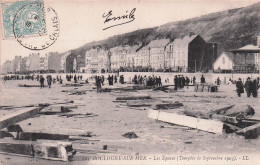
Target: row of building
(52, 62)
(188, 53)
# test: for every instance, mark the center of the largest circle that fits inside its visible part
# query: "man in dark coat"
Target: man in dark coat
(49, 80)
(187, 81)
(240, 87)
(75, 79)
(202, 79)
(248, 86)
(175, 82)
(254, 87)
(42, 81)
(182, 81)
(194, 80)
(218, 81)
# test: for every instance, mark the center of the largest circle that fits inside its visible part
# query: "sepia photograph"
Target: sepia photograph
(87, 82)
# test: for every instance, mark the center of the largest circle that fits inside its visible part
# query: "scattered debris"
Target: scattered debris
(79, 115)
(140, 103)
(165, 105)
(244, 110)
(25, 85)
(133, 97)
(251, 132)
(72, 85)
(188, 142)
(104, 147)
(52, 150)
(205, 88)
(222, 111)
(130, 135)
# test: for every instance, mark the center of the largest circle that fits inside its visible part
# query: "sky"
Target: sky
(81, 21)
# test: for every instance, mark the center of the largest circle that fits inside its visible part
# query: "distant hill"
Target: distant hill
(231, 29)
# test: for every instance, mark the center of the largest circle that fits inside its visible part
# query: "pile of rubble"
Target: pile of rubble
(229, 119)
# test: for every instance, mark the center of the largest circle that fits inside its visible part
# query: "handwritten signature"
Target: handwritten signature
(110, 18)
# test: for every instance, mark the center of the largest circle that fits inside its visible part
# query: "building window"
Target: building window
(223, 60)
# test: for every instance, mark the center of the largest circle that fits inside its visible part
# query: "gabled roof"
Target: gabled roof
(129, 49)
(158, 43)
(247, 49)
(185, 40)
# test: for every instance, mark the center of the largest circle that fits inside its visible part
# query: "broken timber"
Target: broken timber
(133, 97)
(40, 149)
(251, 132)
(167, 105)
(25, 85)
(200, 124)
(18, 116)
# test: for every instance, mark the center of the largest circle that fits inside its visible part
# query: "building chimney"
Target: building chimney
(258, 41)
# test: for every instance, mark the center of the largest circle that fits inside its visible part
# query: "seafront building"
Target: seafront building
(190, 53)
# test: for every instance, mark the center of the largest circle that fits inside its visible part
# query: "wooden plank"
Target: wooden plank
(25, 85)
(16, 147)
(251, 132)
(18, 116)
(33, 136)
(166, 105)
(224, 118)
(133, 97)
(200, 124)
(244, 110)
(223, 110)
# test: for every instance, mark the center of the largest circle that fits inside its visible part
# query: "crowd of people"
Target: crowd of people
(75, 78)
(18, 77)
(99, 81)
(251, 87)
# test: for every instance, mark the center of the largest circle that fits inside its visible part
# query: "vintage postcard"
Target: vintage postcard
(129, 82)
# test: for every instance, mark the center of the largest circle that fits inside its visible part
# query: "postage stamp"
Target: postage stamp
(42, 41)
(23, 19)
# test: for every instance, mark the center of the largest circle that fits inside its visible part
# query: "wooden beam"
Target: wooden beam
(167, 105)
(251, 132)
(222, 111)
(200, 124)
(133, 97)
(18, 116)
(224, 118)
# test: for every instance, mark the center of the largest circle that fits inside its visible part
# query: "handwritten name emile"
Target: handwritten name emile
(110, 18)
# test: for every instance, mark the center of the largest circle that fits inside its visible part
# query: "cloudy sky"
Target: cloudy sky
(82, 22)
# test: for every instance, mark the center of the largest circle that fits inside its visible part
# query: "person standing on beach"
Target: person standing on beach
(42, 81)
(218, 81)
(240, 87)
(202, 79)
(75, 79)
(49, 80)
(248, 86)
(255, 87)
(175, 82)
(194, 80)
